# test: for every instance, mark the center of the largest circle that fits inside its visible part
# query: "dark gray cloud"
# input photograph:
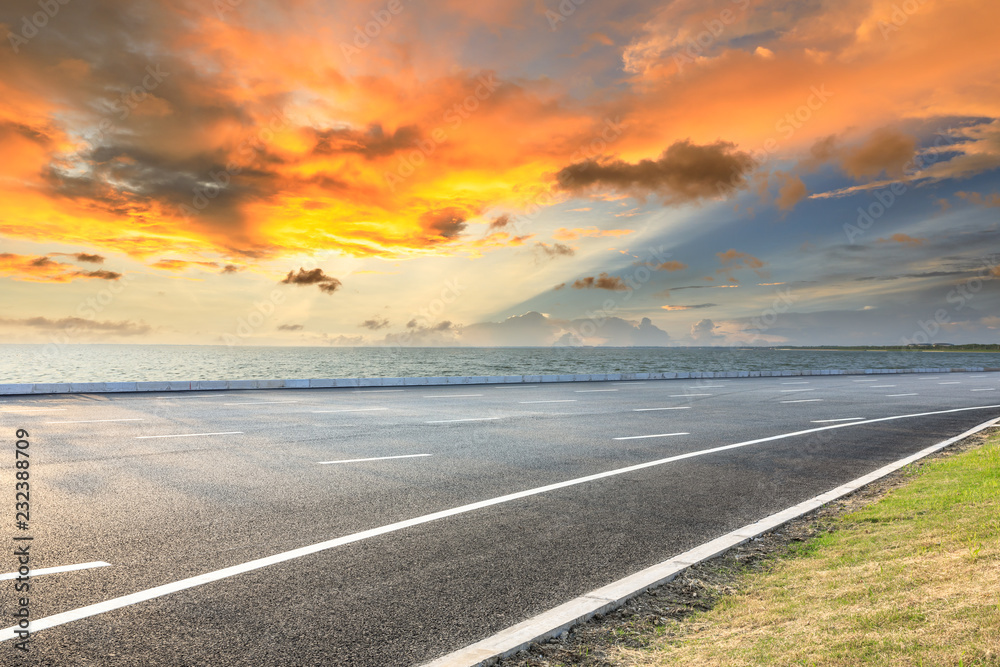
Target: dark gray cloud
(326, 283)
(444, 224)
(602, 281)
(79, 324)
(373, 142)
(684, 173)
(377, 323)
(554, 250)
(291, 327)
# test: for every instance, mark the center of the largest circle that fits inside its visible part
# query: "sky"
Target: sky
(501, 172)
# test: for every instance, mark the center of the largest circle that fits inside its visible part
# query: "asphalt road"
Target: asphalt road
(164, 487)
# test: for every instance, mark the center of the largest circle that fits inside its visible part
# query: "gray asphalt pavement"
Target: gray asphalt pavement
(165, 487)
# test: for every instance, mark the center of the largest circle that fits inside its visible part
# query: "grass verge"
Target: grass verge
(906, 572)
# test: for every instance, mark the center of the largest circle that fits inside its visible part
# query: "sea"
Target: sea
(138, 363)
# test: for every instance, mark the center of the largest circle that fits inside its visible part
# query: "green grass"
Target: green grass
(913, 579)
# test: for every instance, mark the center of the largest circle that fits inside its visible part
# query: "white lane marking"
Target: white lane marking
(191, 582)
(711, 386)
(989, 389)
(949, 383)
(519, 386)
(262, 403)
(451, 421)
(804, 400)
(186, 435)
(552, 622)
(978, 376)
(452, 395)
(828, 421)
(562, 400)
(658, 435)
(321, 412)
(794, 383)
(34, 410)
(56, 570)
(686, 407)
(628, 383)
(864, 380)
(789, 391)
(591, 391)
(936, 377)
(377, 391)
(686, 395)
(94, 421)
(378, 458)
(897, 395)
(881, 386)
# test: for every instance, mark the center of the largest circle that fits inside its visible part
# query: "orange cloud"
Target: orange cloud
(564, 234)
(977, 199)
(904, 239)
(42, 269)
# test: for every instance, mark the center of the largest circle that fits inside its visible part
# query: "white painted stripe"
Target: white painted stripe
(989, 389)
(553, 622)
(562, 400)
(658, 435)
(186, 435)
(881, 386)
(262, 403)
(949, 383)
(518, 386)
(377, 391)
(322, 412)
(591, 391)
(804, 400)
(452, 421)
(453, 396)
(191, 582)
(936, 377)
(794, 383)
(34, 410)
(686, 407)
(686, 395)
(829, 421)
(896, 395)
(57, 570)
(378, 458)
(711, 386)
(94, 421)
(628, 383)
(790, 391)
(864, 380)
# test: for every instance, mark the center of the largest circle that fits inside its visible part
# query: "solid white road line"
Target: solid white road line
(828, 421)
(452, 421)
(56, 570)
(790, 391)
(519, 386)
(949, 383)
(322, 412)
(936, 377)
(555, 621)
(794, 383)
(658, 435)
(686, 395)
(988, 389)
(881, 386)
(562, 400)
(897, 395)
(186, 435)
(591, 391)
(262, 403)
(452, 395)
(686, 407)
(94, 421)
(377, 391)
(864, 380)
(191, 582)
(378, 458)
(804, 400)
(627, 383)
(711, 386)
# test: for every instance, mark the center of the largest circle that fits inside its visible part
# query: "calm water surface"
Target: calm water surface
(122, 363)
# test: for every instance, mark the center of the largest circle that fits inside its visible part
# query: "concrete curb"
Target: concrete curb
(554, 622)
(222, 385)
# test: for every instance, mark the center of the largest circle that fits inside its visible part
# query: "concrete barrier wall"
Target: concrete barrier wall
(217, 385)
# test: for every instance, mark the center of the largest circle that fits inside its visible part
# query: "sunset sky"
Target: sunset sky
(501, 172)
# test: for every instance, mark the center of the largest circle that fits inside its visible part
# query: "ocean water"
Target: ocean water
(136, 363)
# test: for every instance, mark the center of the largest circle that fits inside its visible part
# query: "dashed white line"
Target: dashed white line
(377, 391)
(686, 395)
(323, 412)
(562, 400)
(864, 380)
(451, 421)
(829, 421)
(953, 382)
(591, 391)
(789, 391)
(882, 386)
(658, 435)
(897, 395)
(685, 407)
(453, 396)
(794, 383)
(377, 458)
(186, 435)
(628, 383)
(94, 421)
(56, 570)
(936, 377)
(804, 400)
(123, 601)
(711, 386)
(519, 386)
(262, 403)
(988, 389)
(34, 410)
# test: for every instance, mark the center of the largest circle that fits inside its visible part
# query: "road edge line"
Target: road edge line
(557, 620)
